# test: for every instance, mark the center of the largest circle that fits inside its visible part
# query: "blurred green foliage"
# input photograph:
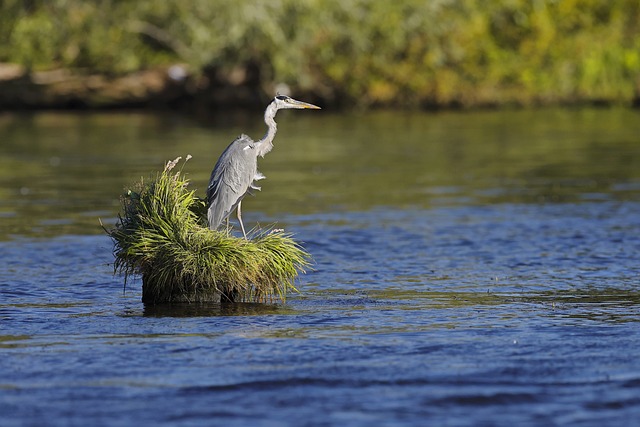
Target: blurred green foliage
(406, 52)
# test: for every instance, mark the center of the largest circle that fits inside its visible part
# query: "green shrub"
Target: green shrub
(358, 52)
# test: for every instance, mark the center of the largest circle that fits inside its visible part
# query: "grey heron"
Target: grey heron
(236, 171)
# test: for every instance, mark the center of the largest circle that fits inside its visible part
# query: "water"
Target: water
(470, 269)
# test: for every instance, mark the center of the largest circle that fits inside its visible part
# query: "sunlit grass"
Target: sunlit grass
(162, 235)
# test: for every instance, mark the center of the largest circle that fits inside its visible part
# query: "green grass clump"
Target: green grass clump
(163, 236)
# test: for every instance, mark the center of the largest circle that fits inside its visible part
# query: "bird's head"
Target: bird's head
(284, 101)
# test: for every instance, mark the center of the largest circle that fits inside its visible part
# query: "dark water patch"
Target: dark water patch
(214, 309)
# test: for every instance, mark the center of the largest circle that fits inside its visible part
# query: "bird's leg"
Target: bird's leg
(240, 219)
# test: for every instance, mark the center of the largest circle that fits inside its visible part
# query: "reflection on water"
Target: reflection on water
(59, 172)
(213, 309)
(470, 269)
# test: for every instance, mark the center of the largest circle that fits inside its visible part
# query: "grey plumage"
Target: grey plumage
(231, 179)
(236, 171)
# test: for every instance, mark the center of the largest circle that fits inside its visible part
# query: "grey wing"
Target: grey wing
(230, 179)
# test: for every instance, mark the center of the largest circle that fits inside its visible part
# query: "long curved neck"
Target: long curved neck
(266, 143)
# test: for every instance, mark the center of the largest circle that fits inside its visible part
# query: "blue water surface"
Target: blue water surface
(470, 269)
(408, 318)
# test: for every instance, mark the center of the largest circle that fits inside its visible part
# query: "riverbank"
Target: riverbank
(158, 88)
(174, 87)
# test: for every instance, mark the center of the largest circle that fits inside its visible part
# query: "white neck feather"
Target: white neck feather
(266, 143)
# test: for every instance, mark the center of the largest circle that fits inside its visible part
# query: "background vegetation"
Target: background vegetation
(357, 52)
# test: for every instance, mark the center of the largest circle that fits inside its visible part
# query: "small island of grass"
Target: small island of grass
(162, 235)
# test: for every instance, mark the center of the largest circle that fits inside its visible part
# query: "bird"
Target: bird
(236, 171)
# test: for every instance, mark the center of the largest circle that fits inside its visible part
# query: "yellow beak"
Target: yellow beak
(300, 104)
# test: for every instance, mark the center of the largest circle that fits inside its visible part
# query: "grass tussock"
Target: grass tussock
(162, 235)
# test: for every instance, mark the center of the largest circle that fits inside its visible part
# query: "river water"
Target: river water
(469, 269)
